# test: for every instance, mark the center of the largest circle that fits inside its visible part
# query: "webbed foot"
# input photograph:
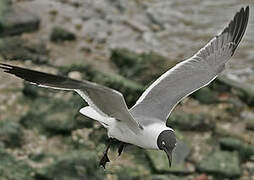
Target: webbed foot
(120, 149)
(104, 160)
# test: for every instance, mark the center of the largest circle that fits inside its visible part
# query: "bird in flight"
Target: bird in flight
(144, 124)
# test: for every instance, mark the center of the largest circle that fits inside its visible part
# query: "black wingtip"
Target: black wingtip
(5, 67)
(238, 25)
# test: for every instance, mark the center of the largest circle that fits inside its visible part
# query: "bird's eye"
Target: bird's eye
(163, 143)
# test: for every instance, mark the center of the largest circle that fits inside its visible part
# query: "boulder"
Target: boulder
(59, 34)
(191, 122)
(15, 20)
(232, 144)
(75, 165)
(159, 163)
(221, 164)
(46, 115)
(17, 48)
(244, 91)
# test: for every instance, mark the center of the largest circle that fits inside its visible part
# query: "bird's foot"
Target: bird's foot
(104, 160)
(120, 149)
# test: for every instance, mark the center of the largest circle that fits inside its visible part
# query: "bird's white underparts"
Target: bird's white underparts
(144, 124)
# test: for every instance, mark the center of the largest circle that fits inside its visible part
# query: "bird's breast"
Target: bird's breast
(147, 138)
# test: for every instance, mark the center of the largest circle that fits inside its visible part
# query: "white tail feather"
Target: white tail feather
(93, 114)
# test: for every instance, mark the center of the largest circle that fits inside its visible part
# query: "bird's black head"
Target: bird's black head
(167, 141)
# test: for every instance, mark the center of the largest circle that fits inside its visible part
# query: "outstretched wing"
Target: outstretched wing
(106, 101)
(192, 74)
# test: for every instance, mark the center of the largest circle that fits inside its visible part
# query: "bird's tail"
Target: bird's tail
(93, 114)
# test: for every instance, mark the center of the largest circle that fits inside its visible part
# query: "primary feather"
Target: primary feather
(192, 74)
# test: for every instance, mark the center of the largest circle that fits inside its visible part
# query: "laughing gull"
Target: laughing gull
(144, 125)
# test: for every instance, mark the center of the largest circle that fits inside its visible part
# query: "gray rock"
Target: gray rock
(11, 133)
(59, 34)
(232, 144)
(95, 30)
(75, 75)
(221, 164)
(191, 122)
(13, 169)
(16, 48)
(15, 20)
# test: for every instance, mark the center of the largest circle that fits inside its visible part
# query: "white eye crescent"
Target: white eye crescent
(163, 143)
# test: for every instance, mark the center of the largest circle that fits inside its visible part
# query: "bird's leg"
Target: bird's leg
(105, 158)
(120, 149)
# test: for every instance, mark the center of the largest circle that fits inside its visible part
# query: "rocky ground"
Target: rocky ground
(124, 45)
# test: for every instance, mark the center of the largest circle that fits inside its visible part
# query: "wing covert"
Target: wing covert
(106, 101)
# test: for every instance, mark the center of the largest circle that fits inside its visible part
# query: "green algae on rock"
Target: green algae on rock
(72, 166)
(13, 169)
(205, 96)
(11, 133)
(191, 122)
(221, 164)
(60, 34)
(17, 48)
(232, 144)
(159, 162)
(46, 115)
(162, 177)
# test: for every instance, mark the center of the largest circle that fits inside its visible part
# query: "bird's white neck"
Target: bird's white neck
(147, 138)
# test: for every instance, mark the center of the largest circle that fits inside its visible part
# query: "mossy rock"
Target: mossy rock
(15, 20)
(205, 96)
(221, 164)
(232, 144)
(143, 68)
(30, 91)
(160, 164)
(53, 116)
(242, 90)
(191, 122)
(72, 166)
(127, 173)
(162, 177)
(13, 169)
(11, 133)
(16, 48)
(59, 34)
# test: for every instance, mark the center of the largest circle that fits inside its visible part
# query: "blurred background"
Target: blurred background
(124, 45)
